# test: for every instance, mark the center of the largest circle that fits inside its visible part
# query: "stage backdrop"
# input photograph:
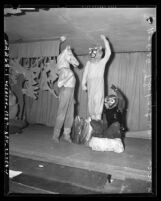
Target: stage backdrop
(125, 70)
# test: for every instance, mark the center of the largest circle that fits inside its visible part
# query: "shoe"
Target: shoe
(66, 135)
(66, 138)
(55, 139)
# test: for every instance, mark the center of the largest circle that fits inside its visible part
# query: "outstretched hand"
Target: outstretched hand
(102, 36)
(62, 38)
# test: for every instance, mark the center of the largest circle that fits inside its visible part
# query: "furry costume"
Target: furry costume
(93, 76)
(115, 109)
(115, 105)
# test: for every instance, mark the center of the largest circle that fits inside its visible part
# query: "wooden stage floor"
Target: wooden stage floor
(36, 143)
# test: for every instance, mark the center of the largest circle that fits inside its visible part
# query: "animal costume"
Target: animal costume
(93, 76)
(115, 105)
(66, 83)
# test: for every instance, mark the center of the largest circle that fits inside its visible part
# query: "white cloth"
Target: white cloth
(105, 144)
(13, 173)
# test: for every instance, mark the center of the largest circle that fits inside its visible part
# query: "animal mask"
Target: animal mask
(111, 101)
(93, 51)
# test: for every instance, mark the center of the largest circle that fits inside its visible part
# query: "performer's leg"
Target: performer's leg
(69, 116)
(91, 107)
(95, 110)
(61, 113)
(98, 105)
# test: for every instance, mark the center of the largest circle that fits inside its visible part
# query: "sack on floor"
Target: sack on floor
(77, 129)
(86, 132)
(105, 144)
(81, 131)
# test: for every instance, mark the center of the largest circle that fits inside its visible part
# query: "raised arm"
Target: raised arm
(107, 48)
(84, 80)
(62, 39)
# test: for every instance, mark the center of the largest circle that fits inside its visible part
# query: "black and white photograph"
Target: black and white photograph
(79, 100)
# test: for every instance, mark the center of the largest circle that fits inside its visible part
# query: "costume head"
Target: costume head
(66, 57)
(111, 101)
(95, 52)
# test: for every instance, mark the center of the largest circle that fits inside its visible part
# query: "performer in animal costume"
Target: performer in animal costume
(93, 79)
(109, 138)
(66, 83)
(115, 105)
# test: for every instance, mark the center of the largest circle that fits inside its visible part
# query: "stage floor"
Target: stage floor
(36, 143)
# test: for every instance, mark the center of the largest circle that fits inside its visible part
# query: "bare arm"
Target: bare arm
(107, 48)
(84, 80)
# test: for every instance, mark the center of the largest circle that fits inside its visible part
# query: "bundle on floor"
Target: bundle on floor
(106, 144)
(81, 131)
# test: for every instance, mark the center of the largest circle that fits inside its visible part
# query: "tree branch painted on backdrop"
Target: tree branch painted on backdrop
(49, 76)
(30, 77)
(38, 74)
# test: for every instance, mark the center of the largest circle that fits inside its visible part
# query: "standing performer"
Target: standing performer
(66, 84)
(93, 77)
